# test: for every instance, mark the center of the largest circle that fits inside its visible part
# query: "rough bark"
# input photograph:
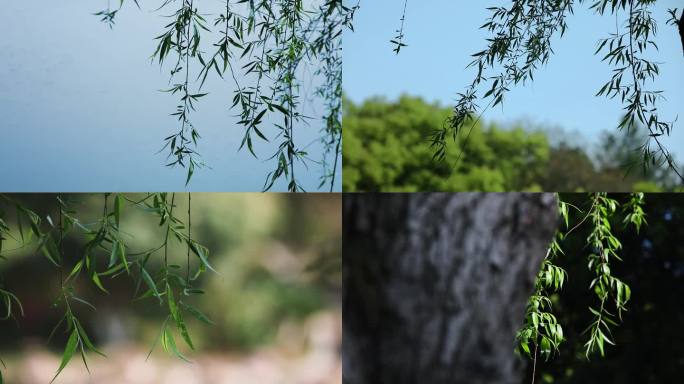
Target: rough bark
(435, 285)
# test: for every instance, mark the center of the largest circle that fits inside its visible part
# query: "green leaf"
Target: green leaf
(122, 255)
(69, 350)
(258, 117)
(526, 349)
(76, 270)
(191, 170)
(50, 250)
(260, 134)
(201, 252)
(148, 279)
(82, 301)
(86, 339)
(96, 280)
(545, 347)
(198, 315)
(9, 297)
(112, 271)
(169, 345)
(178, 317)
(280, 108)
(118, 206)
(114, 254)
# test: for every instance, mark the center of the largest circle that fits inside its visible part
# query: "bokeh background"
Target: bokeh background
(275, 300)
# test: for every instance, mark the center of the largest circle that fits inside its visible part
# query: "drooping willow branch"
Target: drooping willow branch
(266, 47)
(520, 43)
(625, 52)
(108, 15)
(541, 330)
(605, 284)
(171, 286)
(328, 47)
(78, 339)
(106, 255)
(398, 40)
(605, 247)
(8, 299)
(182, 37)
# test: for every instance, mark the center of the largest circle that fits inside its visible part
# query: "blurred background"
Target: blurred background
(275, 300)
(649, 342)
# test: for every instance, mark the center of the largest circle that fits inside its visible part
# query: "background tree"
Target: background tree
(384, 151)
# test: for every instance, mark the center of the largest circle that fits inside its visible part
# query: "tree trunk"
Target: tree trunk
(435, 285)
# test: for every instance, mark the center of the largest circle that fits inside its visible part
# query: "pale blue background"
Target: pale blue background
(442, 34)
(80, 108)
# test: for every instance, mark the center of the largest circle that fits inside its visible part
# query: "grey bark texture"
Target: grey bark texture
(435, 285)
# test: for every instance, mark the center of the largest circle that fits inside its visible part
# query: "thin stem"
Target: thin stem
(168, 230)
(637, 93)
(400, 32)
(187, 67)
(534, 361)
(583, 219)
(187, 276)
(291, 112)
(61, 246)
(334, 170)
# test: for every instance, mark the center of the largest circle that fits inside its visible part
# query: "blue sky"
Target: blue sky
(442, 34)
(81, 109)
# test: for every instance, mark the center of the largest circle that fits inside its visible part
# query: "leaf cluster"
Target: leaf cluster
(627, 52)
(520, 43)
(264, 48)
(106, 255)
(541, 332)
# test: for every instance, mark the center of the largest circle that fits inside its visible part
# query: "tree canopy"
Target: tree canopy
(386, 150)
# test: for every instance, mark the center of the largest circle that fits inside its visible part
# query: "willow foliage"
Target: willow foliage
(269, 50)
(541, 333)
(107, 256)
(520, 43)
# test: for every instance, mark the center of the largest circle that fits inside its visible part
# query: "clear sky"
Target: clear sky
(442, 34)
(80, 108)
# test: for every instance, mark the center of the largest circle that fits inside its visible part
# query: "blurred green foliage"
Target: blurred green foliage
(277, 256)
(386, 148)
